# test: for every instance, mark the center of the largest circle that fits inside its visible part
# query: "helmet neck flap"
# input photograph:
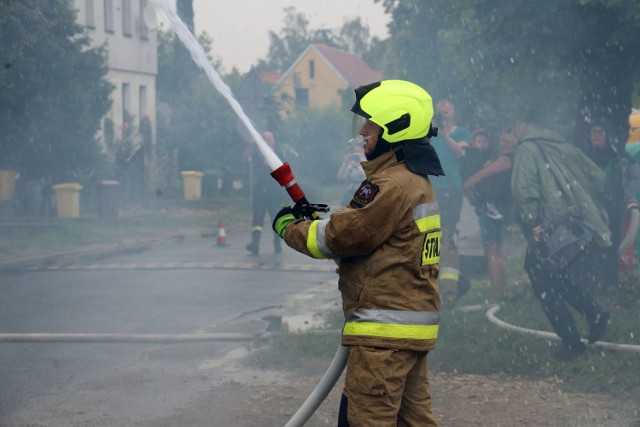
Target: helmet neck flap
(421, 157)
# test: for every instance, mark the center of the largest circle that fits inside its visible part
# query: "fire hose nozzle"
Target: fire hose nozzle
(285, 178)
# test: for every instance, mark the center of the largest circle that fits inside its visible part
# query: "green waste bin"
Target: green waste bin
(68, 199)
(7, 184)
(192, 184)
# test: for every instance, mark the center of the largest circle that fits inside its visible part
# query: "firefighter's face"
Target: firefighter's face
(370, 132)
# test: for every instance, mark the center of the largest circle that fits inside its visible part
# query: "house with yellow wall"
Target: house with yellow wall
(320, 76)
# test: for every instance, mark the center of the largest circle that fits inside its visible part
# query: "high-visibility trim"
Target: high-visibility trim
(394, 316)
(426, 209)
(389, 330)
(321, 238)
(312, 241)
(428, 223)
(392, 324)
(316, 240)
(448, 273)
(257, 228)
(427, 218)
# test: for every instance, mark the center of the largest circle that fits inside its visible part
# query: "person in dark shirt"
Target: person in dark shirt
(267, 197)
(488, 188)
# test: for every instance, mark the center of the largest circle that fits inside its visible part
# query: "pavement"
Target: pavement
(194, 248)
(44, 255)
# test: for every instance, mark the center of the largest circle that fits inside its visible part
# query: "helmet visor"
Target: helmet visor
(356, 124)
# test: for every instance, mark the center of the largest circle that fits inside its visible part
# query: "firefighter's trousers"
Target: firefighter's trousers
(386, 388)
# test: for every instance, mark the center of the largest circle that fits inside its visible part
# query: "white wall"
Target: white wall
(133, 58)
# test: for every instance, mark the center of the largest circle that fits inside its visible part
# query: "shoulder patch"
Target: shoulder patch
(364, 194)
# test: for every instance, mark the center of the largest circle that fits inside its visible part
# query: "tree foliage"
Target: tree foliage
(54, 91)
(296, 35)
(555, 63)
(194, 120)
(314, 142)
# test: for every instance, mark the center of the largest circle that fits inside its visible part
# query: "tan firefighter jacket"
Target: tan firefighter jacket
(387, 244)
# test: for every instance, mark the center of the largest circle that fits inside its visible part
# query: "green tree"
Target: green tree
(54, 91)
(296, 36)
(194, 120)
(314, 143)
(557, 63)
(354, 36)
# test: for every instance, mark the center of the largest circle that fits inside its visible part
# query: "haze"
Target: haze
(240, 30)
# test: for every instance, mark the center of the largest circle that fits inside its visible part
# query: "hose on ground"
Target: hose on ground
(321, 390)
(136, 338)
(491, 316)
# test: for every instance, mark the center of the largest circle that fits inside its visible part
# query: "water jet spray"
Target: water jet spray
(281, 172)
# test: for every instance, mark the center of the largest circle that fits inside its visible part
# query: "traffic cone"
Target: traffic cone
(222, 236)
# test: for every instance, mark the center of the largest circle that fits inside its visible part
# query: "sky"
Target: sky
(240, 28)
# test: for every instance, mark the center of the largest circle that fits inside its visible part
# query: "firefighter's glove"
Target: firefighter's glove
(285, 217)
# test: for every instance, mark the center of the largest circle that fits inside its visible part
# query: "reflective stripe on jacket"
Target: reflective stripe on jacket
(388, 251)
(392, 323)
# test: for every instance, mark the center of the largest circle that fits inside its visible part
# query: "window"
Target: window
(297, 80)
(126, 17)
(108, 16)
(302, 97)
(126, 101)
(144, 30)
(143, 102)
(312, 69)
(90, 14)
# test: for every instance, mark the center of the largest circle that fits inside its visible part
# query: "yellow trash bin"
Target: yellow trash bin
(7, 184)
(68, 199)
(192, 184)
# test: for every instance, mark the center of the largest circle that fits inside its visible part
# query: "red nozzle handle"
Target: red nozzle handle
(285, 178)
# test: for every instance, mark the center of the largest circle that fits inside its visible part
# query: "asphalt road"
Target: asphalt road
(179, 287)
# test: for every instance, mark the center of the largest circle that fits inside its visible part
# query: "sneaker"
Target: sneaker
(492, 212)
(598, 327)
(569, 352)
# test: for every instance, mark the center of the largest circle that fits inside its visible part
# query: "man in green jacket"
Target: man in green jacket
(552, 180)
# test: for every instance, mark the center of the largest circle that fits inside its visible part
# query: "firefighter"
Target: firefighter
(267, 197)
(387, 243)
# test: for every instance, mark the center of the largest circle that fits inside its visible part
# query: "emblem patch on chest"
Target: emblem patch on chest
(364, 194)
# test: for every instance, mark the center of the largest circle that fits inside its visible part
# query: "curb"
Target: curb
(107, 250)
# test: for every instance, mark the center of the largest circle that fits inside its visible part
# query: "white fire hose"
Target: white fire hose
(328, 380)
(549, 335)
(136, 338)
(325, 385)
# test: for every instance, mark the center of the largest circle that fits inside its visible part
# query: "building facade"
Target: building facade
(321, 75)
(132, 50)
